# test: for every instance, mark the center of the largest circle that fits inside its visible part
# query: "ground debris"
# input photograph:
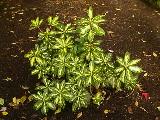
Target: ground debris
(154, 54)
(118, 9)
(79, 115)
(106, 111)
(130, 110)
(136, 103)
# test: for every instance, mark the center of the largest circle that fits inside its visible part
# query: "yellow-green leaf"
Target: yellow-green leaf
(134, 62)
(14, 100)
(1, 101)
(127, 57)
(90, 13)
(30, 98)
(58, 111)
(32, 60)
(135, 69)
(4, 113)
(23, 99)
(122, 76)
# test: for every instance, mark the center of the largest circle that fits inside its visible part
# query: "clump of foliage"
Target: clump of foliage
(69, 61)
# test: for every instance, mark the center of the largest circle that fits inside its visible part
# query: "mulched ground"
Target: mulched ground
(135, 27)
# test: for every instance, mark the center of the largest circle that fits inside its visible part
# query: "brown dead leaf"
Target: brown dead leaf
(139, 87)
(111, 34)
(118, 9)
(24, 87)
(130, 110)
(136, 103)
(79, 115)
(154, 54)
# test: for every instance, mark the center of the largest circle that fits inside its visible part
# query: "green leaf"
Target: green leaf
(91, 66)
(38, 105)
(98, 30)
(135, 69)
(90, 35)
(57, 111)
(36, 23)
(44, 109)
(38, 96)
(53, 21)
(119, 69)
(120, 61)
(32, 61)
(122, 76)
(28, 55)
(81, 99)
(98, 19)
(129, 75)
(98, 98)
(51, 105)
(35, 71)
(127, 57)
(134, 62)
(90, 13)
(60, 93)
(39, 60)
(85, 29)
(1, 101)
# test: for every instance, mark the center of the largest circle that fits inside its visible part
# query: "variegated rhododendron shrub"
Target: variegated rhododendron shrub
(69, 61)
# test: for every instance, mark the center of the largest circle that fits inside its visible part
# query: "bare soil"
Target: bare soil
(132, 25)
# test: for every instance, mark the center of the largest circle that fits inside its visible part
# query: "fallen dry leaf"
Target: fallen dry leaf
(45, 118)
(154, 54)
(79, 115)
(158, 108)
(106, 111)
(143, 109)
(24, 87)
(136, 103)
(110, 34)
(3, 109)
(139, 87)
(130, 110)
(8, 79)
(145, 74)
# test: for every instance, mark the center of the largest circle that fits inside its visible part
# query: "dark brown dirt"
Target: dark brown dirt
(136, 28)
